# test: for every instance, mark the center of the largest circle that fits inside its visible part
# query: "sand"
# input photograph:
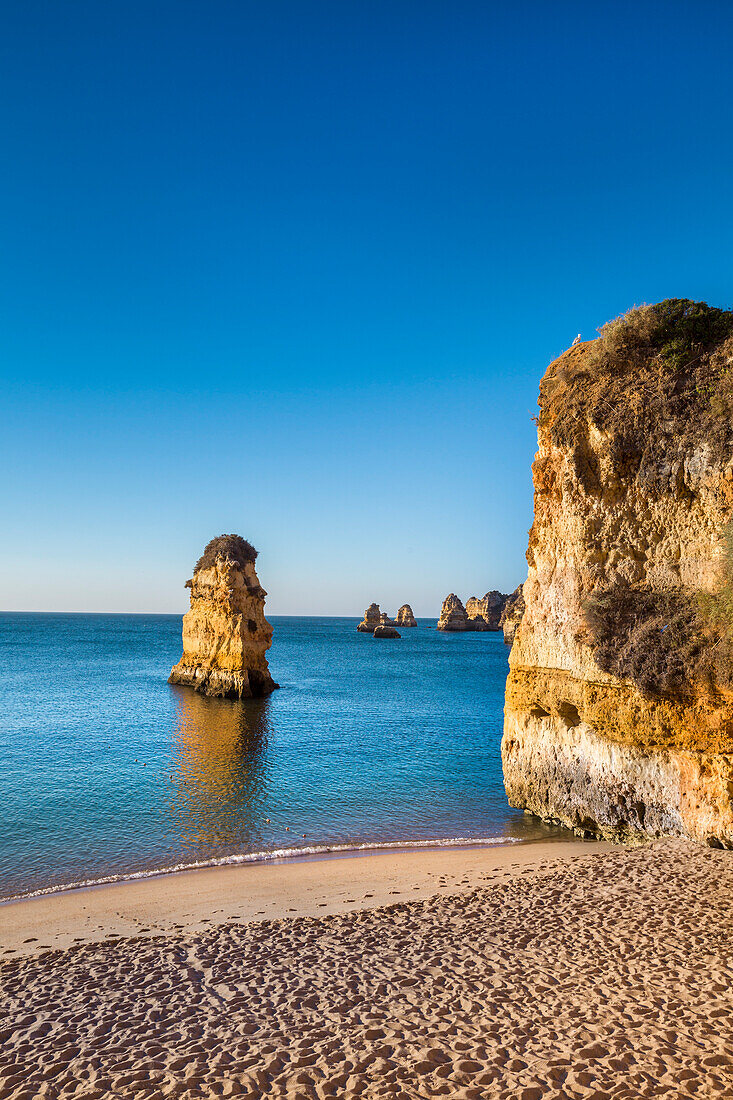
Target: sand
(531, 972)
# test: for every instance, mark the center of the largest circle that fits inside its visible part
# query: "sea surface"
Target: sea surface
(107, 771)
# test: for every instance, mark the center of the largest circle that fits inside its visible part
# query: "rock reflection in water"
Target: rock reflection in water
(219, 774)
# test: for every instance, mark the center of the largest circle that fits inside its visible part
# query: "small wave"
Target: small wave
(272, 855)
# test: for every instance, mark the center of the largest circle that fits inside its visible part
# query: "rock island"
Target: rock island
(225, 633)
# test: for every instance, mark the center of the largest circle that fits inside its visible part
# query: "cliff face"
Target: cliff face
(225, 633)
(512, 614)
(619, 702)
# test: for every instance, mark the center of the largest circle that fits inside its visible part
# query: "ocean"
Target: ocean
(108, 772)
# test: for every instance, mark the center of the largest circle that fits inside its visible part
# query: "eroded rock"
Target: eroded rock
(372, 619)
(386, 632)
(619, 708)
(225, 632)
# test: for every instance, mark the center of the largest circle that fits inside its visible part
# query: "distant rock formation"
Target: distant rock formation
(405, 616)
(487, 610)
(478, 614)
(511, 616)
(225, 633)
(453, 615)
(386, 632)
(371, 620)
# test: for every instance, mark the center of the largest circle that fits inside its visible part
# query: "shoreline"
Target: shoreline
(273, 856)
(188, 900)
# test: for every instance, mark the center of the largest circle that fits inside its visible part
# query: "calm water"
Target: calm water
(107, 770)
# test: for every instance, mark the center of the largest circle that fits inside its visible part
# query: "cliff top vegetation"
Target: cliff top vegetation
(658, 380)
(230, 547)
(669, 364)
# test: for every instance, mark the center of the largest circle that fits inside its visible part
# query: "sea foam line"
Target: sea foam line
(268, 856)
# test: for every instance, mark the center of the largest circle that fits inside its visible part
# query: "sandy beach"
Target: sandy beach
(546, 970)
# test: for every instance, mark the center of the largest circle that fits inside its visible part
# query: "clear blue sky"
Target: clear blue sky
(294, 270)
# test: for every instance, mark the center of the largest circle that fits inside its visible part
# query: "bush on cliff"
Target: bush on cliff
(230, 547)
(666, 643)
(655, 365)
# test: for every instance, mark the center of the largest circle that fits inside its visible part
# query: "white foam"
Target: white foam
(273, 855)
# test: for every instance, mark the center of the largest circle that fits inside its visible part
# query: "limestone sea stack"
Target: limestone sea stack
(619, 702)
(453, 614)
(371, 620)
(487, 611)
(478, 614)
(405, 618)
(225, 633)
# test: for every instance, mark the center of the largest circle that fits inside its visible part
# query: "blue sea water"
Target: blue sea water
(106, 770)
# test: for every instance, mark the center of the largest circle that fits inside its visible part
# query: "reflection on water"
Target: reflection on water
(218, 781)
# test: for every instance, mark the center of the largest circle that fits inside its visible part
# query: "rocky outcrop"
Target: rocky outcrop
(478, 614)
(619, 701)
(453, 615)
(512, 614)
(385, 631)
(225, 632)
(405, 618)
(486, 611)
(371, 620)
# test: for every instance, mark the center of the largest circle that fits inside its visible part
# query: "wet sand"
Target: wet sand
(546, 970)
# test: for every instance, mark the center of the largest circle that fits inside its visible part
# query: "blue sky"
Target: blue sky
(294, 270)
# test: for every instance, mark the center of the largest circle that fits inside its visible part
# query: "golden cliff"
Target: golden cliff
(619, 701)
(225, 633)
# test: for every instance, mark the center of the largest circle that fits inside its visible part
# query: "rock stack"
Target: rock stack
(225, 632)
(405, 616)
(372, 619)
(478, 614)
(487, 611)
(453, 615)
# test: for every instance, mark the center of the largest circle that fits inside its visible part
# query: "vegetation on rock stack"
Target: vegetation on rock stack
(230, 547)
